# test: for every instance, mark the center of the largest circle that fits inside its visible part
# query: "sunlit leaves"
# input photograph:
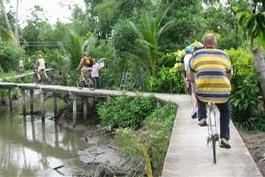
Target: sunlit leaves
(253, 20)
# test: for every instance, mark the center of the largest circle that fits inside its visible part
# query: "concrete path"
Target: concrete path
(189, 156)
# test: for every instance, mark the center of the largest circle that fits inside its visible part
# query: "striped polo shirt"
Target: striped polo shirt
(211, 67)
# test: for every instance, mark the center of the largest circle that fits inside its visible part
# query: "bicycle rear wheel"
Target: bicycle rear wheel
(214, 149)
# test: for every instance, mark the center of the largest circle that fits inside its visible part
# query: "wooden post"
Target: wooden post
(10, 98)
(56, 132)
(33, 129)
(42, 105)
(24, 101)
(74, 110)
(55, 104)
(25, 126)
(31, 101)
(85, 108)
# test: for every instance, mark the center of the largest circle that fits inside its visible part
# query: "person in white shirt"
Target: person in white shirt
(21, 65)
(95, 71)
(40, 65)
(185, 65)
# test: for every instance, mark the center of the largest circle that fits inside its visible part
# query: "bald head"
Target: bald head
(209, 41)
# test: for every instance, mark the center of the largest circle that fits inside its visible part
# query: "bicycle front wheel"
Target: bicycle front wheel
(80, 84)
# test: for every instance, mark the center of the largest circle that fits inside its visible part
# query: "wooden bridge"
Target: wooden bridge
(74, 93)
(187, 155)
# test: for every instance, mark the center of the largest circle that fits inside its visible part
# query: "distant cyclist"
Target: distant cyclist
(185, 65)
(212, 71)
(85, 66)
(40, 65)
(196, 46)
(21, 65)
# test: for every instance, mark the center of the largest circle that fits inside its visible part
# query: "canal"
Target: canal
(30, 147)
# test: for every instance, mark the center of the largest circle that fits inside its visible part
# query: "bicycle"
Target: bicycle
(43, 77)
(86, 81)
(213, 135)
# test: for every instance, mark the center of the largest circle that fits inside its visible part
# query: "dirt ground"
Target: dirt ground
(256, 145)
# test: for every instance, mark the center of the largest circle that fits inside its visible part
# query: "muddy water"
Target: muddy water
(29, 147)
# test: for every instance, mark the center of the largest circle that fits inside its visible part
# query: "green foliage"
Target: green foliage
(125, 111)
(124, 39)
(54, 59)
(125, 137)
(189, 23)
(103, 14)
(37, 30)
(159, 125)
(252, 19)
(246, 89)
(9, 56)
(166, 81)
(149, 31)
(80, 21)
(253, 124)
(73, 49)
(153, 137)
(222, 20)
(107, 12)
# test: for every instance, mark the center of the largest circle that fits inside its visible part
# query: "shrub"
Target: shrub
(9, 56)
(126, 112)
(246, 88)
(124, 38)
(166, 81)
(151, 141)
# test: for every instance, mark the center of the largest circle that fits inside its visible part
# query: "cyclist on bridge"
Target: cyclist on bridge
(85, 66)
(40, 65)
(212, 71)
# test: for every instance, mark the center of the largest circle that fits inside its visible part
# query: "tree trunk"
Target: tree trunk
(260, 67)
(3, 11)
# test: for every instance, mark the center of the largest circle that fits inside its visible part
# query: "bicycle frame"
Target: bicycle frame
(213, 135)
(88, 81)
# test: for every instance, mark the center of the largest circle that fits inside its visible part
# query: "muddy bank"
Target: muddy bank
(102, 154)
(255, 143)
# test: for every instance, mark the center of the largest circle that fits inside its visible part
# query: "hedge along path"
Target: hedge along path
(188, 154)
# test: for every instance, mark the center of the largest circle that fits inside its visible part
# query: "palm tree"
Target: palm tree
(75, 46)
(149, 31)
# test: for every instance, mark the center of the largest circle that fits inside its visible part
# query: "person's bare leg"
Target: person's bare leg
(193, 102)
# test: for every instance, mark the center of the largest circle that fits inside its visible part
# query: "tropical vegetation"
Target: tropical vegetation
(141, 43)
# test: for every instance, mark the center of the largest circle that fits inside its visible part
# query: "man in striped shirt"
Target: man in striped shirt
(211, 69)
